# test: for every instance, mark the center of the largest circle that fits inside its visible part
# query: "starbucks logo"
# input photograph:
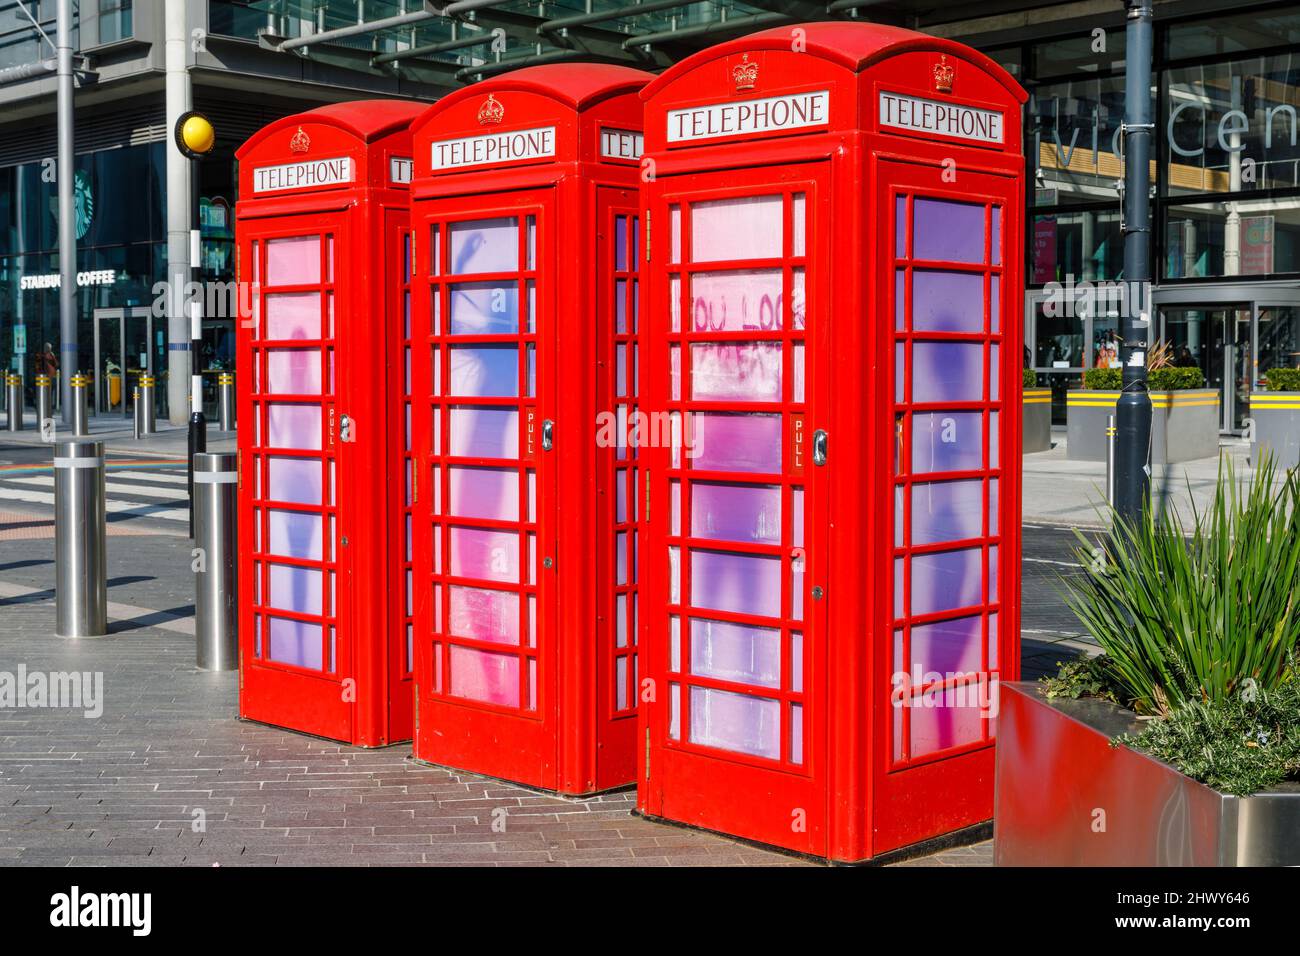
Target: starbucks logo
(83, 202)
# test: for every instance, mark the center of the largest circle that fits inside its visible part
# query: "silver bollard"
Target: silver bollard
(80, 565)
(14, 388)
(144, 402)
(226, 402)
(216, 625)
(80, 389)
(135, 411)
(44, 401)
(1110, 459)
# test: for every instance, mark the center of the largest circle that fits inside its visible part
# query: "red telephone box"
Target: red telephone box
(829, 588)
(525, 221)
(322, 233)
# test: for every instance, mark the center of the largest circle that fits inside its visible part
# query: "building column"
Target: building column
(179, 212)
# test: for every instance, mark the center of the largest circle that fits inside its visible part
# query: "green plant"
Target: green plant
(1082, 677)
(1282, 380)
(1241, 745)
(1030, 378)
(1193, 618)
(1167, 379)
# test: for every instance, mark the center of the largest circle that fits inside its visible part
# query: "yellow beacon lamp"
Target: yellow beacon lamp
(194, 135)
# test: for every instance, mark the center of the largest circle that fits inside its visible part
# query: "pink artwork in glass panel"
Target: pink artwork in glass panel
(947, 301)
(484, 676)
(483, 615)
(946, 718)
(947, 231)
(484, 493)
(736, 652)
(739, 301)
(483, 432)
(946, 580)
(293, 426)
(291, 588)
(293, 371)
(751, 227)
(293, 315)
(947, 648)
(947, 510)
(294, 261)
(294, 642)
(485, 554)
(735, 512)
(736, 583)
(484, 245)
(736, 722)
(295, 480)
(295, 534)
(739, 371)
(724, 441)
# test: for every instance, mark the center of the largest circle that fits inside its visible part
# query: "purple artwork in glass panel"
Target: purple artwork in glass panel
(946, 718)
(947, 510)
(736, 583)
(484, 676)
(946, 580)
(728, 512)
(740, 301)
(483, 432)
(293, 426)
(947, 648)
(295, 534)
(947, 231)
(736, 652)
(750, 227)
(947, 441)
(736, 722)
(484, 245)
(482, 553)
(484, 308)
(947, 301)
(620, 243)
(293, 371)
(482, 614)
(295, 480)
(484, 492)
(294, 642)
(485, 371)
(293, 315)
(947, 372)
(996, 239)
(291, 588)
(294, 261)
(736, 371)
(900, 299)
(900, 227)
(724, 441)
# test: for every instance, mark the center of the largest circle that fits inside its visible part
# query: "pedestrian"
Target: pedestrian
(1185, 358)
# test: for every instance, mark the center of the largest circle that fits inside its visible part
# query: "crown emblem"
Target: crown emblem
(300, 143)
(745, 73)
(943, 74)
(491, 112)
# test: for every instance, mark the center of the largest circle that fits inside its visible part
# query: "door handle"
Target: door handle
(819, 447)
(548, 435)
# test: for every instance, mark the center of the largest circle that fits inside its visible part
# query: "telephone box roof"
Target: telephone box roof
(854, 46)
(367, 120)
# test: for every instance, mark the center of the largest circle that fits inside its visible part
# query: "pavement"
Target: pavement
(167, 775)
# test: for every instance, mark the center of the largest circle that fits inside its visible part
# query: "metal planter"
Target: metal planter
(1063, 796)
(1184, 424)
(1037, 420)
(1277, 426)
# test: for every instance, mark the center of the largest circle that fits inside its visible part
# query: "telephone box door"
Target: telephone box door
(485, 541)
(297, 635)
(735, 636)
(948, 257)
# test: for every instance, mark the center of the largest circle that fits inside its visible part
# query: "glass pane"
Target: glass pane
(947, 580)
(947, 372)
(739, 371)
(947, 231)
(293, 426)
(484, 492)
(725, 441)
(736, 301)
(736, 722)
(947, 441)
(294, 261)
(291, 588)
(736, 583)
(293, 371)
(484, 676)
(484, 308)
(947, 648)
(483, 614)
(736, 652)
(750, 227)
(947, 301)
(484, 370)
(947, 510)
(294, 642)
(484, 245)
(295, 534)
(293, 315)
(295, 480)
(483, 432)
(944, 719)
(736, 512)
(482, 553)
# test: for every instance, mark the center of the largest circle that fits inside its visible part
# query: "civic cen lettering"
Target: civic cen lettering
(795, 111)
(307, 174)
(943, 119)
(488, 148)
